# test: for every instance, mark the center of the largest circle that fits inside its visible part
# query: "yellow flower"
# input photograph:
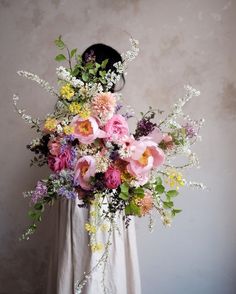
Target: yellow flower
(175, 179)
(50, 124)
(96, 247)
(90, 228)
(93, 213)
(82, 110)
(68, 130)
(85, 112)
(75, 107)
(104, 227)
(67, 91)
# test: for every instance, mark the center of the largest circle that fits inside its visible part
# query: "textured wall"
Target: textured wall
(181, 41)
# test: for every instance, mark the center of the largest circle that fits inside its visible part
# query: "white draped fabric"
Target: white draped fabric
(71, 256)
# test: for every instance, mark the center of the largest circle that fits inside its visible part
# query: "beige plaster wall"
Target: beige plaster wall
(181, 41)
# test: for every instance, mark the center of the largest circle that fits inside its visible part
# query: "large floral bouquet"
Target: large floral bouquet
(93, 155)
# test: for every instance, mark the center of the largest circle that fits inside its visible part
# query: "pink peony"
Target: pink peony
(86, 130)
(103, 106)
(145, 156)
(85, 168)
(112, 178)
(62, 161)
(116, 128)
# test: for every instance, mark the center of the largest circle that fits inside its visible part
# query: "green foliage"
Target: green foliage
(158, 181)
(160, 189)
(179, 136)
(124, 191)
(59, 43)
(172, 193)
(139, 191)
(174, 211)
(73, 52)
(104, 63)
(60, 57)
(132, 209)
(168, 204)
(85, 76)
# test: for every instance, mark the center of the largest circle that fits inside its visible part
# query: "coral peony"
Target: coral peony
(85, 168)
(112, 178)
(86, 130)
(116, 128)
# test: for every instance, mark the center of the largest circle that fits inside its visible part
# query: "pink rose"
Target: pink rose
(86, 130)
(54, 147)
(112, 178)
(62, 161)
(145, 156)
(85, 168)
(116, 128)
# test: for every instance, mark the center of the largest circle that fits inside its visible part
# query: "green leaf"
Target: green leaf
(168, 204)
(172, 193)
(104, 63)
(72, 52)
(39, 206)
(97, 65)
(124, 196)
(31, 214)
(139, 191)
(75, 72)
(59, 43)
(175, 210)
(92, 71)
(160, 189)
(60, 57)
(158, 181)
(85, 77)
(124, 191)
(102, 73)
(124, 188)
(132, 209)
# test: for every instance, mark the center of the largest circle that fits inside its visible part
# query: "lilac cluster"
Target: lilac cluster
(64, 192)
(39, 192)
(127, 115)
(118, 107)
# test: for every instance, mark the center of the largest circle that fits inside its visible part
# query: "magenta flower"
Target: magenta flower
(112, 178)
(62, 161)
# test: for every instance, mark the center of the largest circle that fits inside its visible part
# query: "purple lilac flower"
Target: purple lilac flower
(73, 157)
(127, 115)
(39, 192)
(71, 195)
(118, 107)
